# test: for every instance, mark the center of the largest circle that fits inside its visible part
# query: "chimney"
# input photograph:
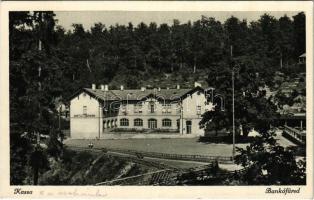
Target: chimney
(102, 87)
(93, 86)
(121, 87)
(106, 88)
(196, 84)
(143, 89)
(178, 86)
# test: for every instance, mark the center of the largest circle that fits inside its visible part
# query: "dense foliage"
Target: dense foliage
(268, 163)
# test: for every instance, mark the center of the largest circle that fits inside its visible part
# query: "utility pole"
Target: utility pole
(99, 108)
(233, 126)
(59, 117)
(233, 123)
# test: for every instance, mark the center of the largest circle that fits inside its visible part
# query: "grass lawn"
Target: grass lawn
(188, 146)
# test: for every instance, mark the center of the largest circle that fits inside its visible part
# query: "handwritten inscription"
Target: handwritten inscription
(75, 192)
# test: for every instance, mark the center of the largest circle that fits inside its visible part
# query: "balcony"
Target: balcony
(84, 116)
(295, 135)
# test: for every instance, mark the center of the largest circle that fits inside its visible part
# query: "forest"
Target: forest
(49, 63)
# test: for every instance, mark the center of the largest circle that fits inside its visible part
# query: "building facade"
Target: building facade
(96, 112)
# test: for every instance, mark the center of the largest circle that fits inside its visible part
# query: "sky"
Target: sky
(89, 18)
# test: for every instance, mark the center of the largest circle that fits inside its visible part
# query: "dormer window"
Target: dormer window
(152, 108)
(166, 108)
(138, 108)
(198, 110)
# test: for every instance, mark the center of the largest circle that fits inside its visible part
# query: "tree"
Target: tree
(268, 163)
(251, 106)
(284, 40)
(215, 120)
(299, 34)
(38, 162)
(34, 85)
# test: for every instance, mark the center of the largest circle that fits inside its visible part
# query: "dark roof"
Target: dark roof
(293, 116)
(302, 56)
(137, 94)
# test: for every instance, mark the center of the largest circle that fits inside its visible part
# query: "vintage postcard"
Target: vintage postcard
(156, 99)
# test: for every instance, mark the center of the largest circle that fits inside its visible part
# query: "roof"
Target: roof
(137, 94)
(302, 56)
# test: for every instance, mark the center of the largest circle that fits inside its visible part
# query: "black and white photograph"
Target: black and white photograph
(158, 98)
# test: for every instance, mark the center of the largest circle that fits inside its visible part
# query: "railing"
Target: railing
(295, 134)
(170, 176)
(151, 178)
(199, 158)
(84, 116)
(160, 177)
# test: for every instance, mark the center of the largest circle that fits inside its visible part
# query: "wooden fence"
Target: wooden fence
(199, 158)
(151, 178)
(169, 177)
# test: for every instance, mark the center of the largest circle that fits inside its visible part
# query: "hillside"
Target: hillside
(184, 78)
(86, 168)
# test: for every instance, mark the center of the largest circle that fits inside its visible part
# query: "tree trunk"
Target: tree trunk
(245, 130)
(181, 63)
(281, 62)
(39, 45)
(194, 67)
(35, 175)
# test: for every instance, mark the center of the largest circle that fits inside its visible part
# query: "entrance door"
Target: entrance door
(188, 127)
(152, 123)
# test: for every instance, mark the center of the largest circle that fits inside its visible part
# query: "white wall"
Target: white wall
(85, 126)
(190, 104)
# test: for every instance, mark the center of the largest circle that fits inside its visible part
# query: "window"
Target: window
(152, 107)
(138, 108)
(178, 109)
(188, 127)
(152, 123)
(166, 108)
(138, 122)
(104, 125)
(124, 109)
(124, 122)
(166, 123)
(84, 110)
(198, 110)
